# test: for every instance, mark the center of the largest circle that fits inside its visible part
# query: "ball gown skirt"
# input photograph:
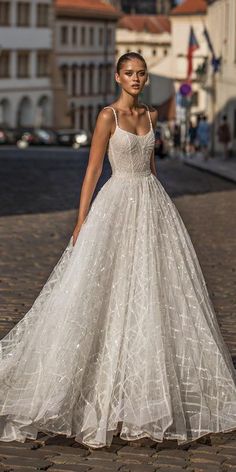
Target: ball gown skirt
(123, 333)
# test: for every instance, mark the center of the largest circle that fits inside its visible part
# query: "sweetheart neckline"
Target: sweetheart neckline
(133, 134)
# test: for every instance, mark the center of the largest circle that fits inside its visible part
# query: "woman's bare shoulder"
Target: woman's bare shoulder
(105, 117)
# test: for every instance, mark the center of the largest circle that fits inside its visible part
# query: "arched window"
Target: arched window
(5, 112)
(25, 115)
(43, 113)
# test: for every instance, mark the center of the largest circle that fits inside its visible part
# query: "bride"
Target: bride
(123, 336)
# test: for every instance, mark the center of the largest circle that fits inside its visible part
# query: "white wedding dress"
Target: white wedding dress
(123, 336)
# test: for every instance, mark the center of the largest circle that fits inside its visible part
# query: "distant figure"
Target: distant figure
(203, 135)
(224, 135)
(192, 134)
(177, 138)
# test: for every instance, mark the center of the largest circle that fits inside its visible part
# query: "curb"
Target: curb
(224, 174)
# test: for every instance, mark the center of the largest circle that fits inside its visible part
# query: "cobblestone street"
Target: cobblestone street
(39, 197)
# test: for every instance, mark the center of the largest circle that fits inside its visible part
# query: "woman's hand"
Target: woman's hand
(76, 231)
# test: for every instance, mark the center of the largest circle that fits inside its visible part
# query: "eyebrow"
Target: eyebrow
(131, 70)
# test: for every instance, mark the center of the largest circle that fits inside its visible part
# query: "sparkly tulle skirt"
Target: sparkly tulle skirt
(123, 333)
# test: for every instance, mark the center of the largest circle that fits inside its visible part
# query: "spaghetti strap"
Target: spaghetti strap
(149, 116)
(114, 111)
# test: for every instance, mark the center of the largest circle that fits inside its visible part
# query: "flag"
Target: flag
(215, 61)
(192, 46)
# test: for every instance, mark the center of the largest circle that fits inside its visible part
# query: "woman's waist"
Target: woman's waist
(131, 173)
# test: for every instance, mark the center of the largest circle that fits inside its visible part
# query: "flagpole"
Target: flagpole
(213, 111)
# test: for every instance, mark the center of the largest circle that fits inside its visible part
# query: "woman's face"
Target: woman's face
(132, 76)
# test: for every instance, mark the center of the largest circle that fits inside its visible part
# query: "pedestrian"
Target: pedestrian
(203, 136)
(192, 135)
(224, 135)
(123, 337)
(177, 139)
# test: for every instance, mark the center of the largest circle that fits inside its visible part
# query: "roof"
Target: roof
(150, 23)
(190, 7)
(85, 8)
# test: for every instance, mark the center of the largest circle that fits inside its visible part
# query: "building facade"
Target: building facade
(26, 97)
(223, 14)
(85, 51)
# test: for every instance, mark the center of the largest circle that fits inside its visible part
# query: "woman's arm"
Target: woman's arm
(152, 164)
(100, 139)
(154, 116)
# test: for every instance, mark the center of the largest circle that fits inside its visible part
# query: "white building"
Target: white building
(223, 14)
(174, 66)
(85, 51)
(25, 53)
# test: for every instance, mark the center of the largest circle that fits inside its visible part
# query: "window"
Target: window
(109, 77)
(90, 117)
(4, 64)
(154, 52)
(74, 35)
(23, 14)
(165, 52)
(83, 35)
(64, 34)
(23, 58)
(73, 115)
(100, 36)
(140, 51)
(42, 64)
(100, 78)
(64, 75)
(81, 117)
(82, 79)
(91, 36)
(42, 15)
(195, 99)
(74, 80)
(4, 13)
(109, 36)
(91, 76)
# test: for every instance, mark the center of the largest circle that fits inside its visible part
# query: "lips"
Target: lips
(135, 86)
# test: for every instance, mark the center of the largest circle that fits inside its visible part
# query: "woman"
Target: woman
(123, 336)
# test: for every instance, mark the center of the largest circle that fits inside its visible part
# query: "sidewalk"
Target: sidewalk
(217, 165)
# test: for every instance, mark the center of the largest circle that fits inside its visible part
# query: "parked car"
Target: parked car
(7, 136)
(73, 138)
(162, 140)
(36, 136)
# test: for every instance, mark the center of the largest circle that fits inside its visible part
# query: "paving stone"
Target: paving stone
(170, 453)
(175, 462)
(65, 450)
(17, 452)
(102, 455)
(206, 468)
(137, 468)
(203, 450)
(135, 452)
(69, 468)
(230, 462)
(26, 462)
(207, 459)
